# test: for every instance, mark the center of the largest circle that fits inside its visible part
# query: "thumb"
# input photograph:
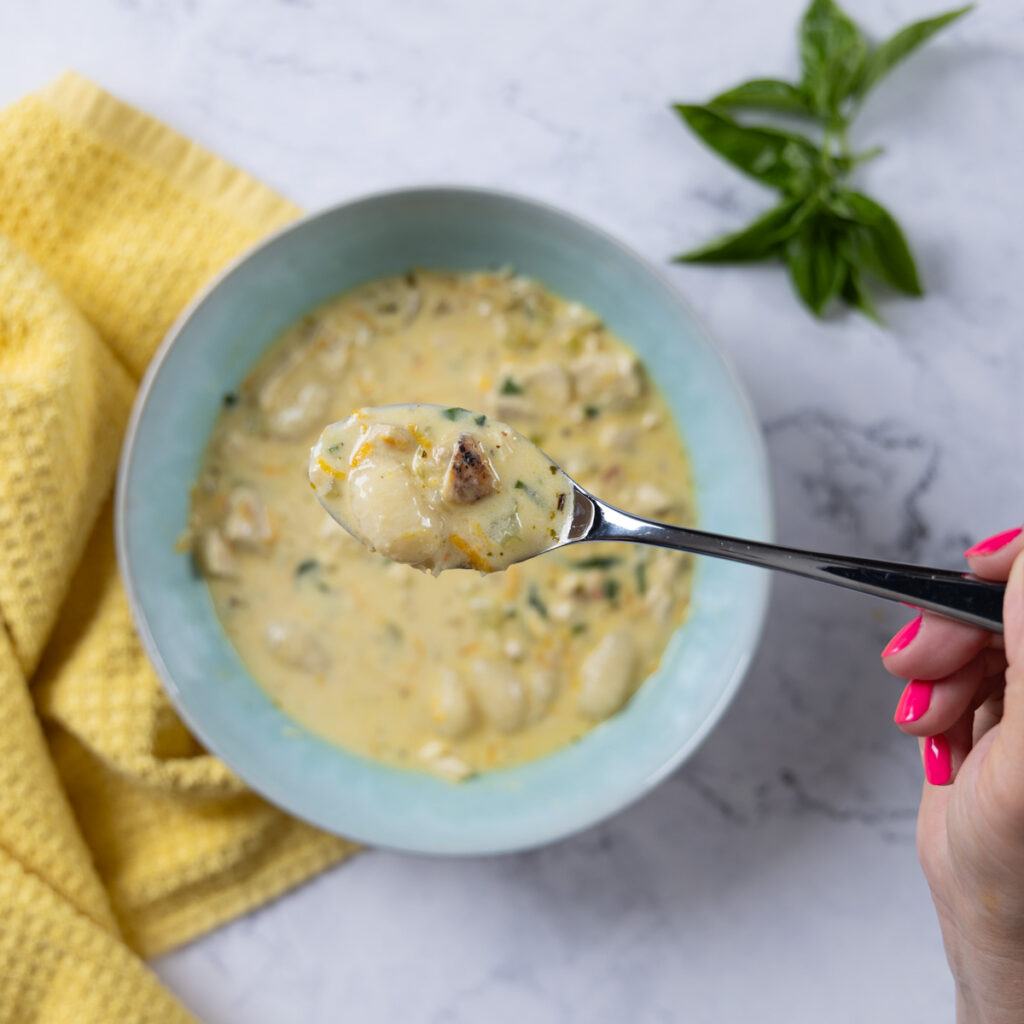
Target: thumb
(1013, 625)
(1008, 745)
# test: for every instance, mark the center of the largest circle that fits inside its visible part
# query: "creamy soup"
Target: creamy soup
(440, 488)
(463, 672)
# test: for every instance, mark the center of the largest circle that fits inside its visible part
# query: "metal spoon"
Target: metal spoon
(952, 594)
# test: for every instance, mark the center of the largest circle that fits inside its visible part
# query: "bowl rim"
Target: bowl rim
(148, 640)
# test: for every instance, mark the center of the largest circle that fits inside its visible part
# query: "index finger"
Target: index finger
(932, 647)
(992, 558)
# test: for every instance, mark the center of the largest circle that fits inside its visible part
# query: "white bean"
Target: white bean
(500, 696)
(451, 708)
(650, 500)
(612, 378)
(608, 676)
(542, 684)
(438, 758)
(540, 388)
(296, 645)
(247, 522)
(291, 402)
(213, 554)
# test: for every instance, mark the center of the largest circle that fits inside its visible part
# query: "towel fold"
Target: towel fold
(120, 837)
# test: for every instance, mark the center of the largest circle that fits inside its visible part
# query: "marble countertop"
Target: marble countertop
(774, 876)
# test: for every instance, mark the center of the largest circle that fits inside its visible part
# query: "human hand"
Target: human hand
(965, 702)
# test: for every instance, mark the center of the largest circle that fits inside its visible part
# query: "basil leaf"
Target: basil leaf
(817, 269)
(754, 242)
(857, 296)
(784, 160)
(878, 243)
(833, 52)
(908, 39)
(765, 94)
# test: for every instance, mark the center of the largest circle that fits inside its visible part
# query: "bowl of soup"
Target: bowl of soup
(492, 706)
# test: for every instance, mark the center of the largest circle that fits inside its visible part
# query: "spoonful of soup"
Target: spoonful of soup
(446, 488)
(441, 488)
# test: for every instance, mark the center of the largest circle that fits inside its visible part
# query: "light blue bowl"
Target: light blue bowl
(209, 352)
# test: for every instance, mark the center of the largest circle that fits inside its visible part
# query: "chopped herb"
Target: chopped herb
(611, 588)
(230, 399)
(533, 599)
(480, 420)
(553, 468)
(335, 448)
(530, 492)
(599, 562)
(641, 577)
(454, 412)
(591, 411)
(577, 628)
(561, 501)
(308, 565)
(510, 387)
(553, 535)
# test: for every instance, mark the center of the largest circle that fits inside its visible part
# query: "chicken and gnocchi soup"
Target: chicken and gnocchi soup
(462, 672)
(440, 488)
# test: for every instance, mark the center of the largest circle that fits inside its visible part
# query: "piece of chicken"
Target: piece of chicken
(470, 476)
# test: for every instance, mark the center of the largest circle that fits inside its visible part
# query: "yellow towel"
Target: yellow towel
(119, 836)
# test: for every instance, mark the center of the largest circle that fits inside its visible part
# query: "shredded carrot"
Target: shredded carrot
(472, 555)
(421, 438)
(329, 470)
(360, 453)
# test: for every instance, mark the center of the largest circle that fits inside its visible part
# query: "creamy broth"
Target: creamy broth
(440, 488)
(464, 672)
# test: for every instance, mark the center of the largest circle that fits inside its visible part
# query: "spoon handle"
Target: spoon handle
(951, 594)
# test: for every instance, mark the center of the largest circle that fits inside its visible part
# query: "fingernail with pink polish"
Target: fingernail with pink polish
(994, 543)
(917, 695)
(938, 765)
(903, 638)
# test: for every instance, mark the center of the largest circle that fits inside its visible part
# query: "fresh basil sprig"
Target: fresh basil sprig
(830, 237)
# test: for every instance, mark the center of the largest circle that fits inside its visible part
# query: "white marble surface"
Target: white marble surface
(774, 877)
